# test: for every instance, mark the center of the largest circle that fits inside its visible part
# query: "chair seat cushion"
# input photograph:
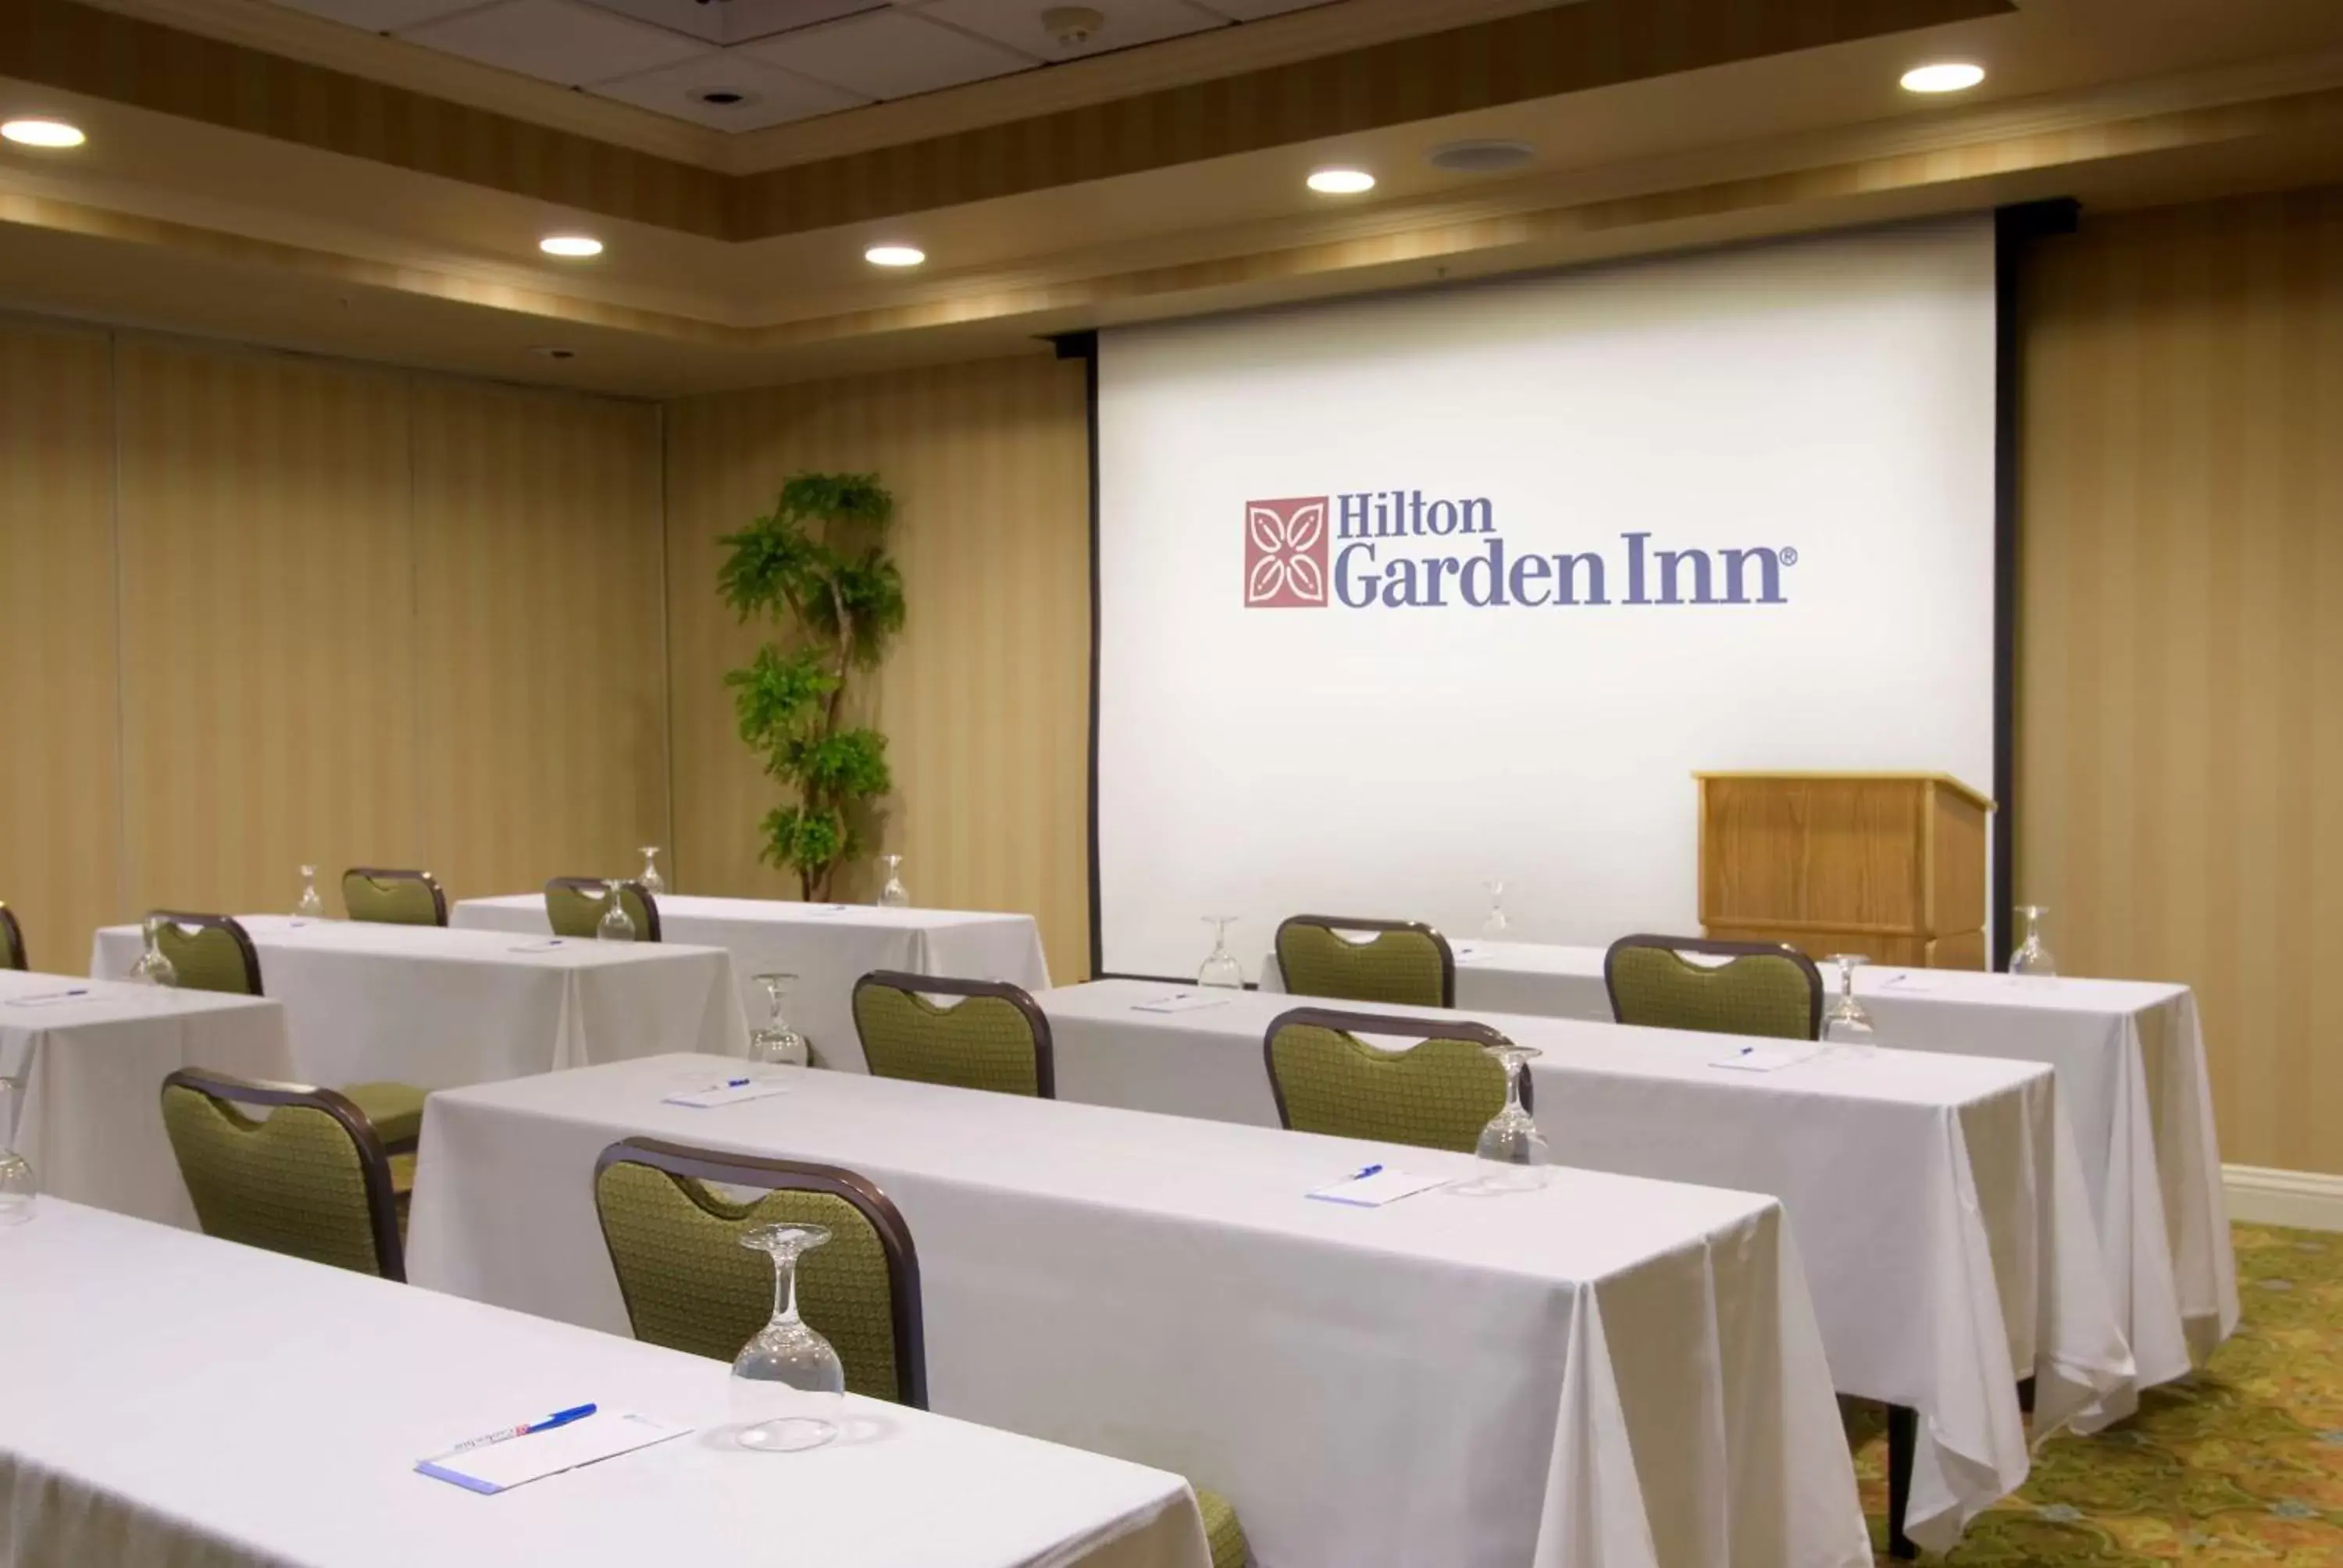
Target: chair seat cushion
(395, 1109)
(1222, 1533)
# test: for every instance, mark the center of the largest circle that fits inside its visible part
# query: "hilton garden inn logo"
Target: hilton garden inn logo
(1396, 549)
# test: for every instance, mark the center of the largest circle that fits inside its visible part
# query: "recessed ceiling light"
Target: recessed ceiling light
(573, 246)
(1341, 182)
(43, 134)
(1946, 77)
(725, 97)
(894, 256)
(1481, 158)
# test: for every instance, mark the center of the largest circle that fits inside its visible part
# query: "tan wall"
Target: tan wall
(2181, 662)
(986, 700)
(364, 617)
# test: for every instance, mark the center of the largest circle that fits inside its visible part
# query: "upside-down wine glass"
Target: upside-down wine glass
(18, 1187)
(616, 925)
(2031, 956)
(892, 894)
(153, 967)
(308, 905)
(1494, 927)
(652, 882)
(773, 1042)
(1512, 1139)
(1220, 967)
(1846, 1024)
(788, 1386)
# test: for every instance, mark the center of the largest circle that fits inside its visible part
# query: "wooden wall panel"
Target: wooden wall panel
(2181, 634)
(986, 699)
(60, 783)
(268, 623)
(541, 653)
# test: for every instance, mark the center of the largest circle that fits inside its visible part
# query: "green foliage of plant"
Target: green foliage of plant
(814, 565)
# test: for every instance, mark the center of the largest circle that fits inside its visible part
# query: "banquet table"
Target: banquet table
(1604, 1371)
(365, 1002)
(828, 947)
(174, 1400)
(2131, 1057)
(91, 1056)
(1937, 1201)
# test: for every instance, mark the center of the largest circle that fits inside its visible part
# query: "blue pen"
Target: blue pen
(558, 1418)
(1364, 1171)
(737, 1082)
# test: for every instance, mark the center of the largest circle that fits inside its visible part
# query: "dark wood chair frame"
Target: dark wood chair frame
(1356, 1023)
(798, 1176)
(227, 923)
(1339, 923)
(1045, 1055)
(12, 942)
(1718, 948)
(374, 1159)
(392, 874)
(597, 884)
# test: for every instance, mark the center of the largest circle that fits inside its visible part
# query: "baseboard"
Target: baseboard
(2306, 1200)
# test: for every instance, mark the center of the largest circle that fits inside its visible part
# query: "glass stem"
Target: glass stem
(785, 1288)
(1512, 1088)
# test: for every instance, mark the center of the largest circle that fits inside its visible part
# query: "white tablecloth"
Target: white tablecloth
(174, 1402)
(1937, 1201)
(1608, 1371)
(415, 1004)
(2130, 1056)
(828, 947)
(93, 1068)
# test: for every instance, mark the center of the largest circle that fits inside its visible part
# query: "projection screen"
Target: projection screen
(1400, 595)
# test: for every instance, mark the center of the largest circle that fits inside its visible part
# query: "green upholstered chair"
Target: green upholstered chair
(12, 942)
(575, 904)
(212, 953)
(690, 1285)
(1767, 989)
(393, 898)
(995, 1038)
(209, 952)
(1406, 964)
(1437, 1093)
(312, 1179)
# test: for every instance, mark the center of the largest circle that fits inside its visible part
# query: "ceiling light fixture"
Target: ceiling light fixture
(43, 134)
(1946, 77)
(1341, 182)
(573, 247)
(894, 256)
(1481, 158)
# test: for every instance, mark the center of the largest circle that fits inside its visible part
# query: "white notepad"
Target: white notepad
(543, 947)
(51, 997)
(1385, 1186)
(1767, 1058)
(1908, 980)
(1180, 1001)
(716, 1094)
(501, 1466)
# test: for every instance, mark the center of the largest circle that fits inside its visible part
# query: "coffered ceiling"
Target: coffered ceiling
(259, 172)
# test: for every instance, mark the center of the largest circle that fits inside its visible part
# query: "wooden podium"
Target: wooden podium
(1888, 864)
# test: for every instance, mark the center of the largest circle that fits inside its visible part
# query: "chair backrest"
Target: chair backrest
(1768, 988)
(1438, 1093)
(209, 952)
(310, 1179)
(575, 904)
(995, 1038)
(394, 898)
(1406, 964)
(690, 1285)
(12, 942)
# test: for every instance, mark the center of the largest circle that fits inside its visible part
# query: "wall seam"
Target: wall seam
(122, 877)
(666, 656)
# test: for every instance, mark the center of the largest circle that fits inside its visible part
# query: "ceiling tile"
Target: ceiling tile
(774, 96)
(1254, 10)
(1018, 23)
(380, 16)
(737, 21)
(557, 40)
(892, 54)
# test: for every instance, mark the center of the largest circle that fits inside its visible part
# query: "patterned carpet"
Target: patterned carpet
(2243, 1464)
